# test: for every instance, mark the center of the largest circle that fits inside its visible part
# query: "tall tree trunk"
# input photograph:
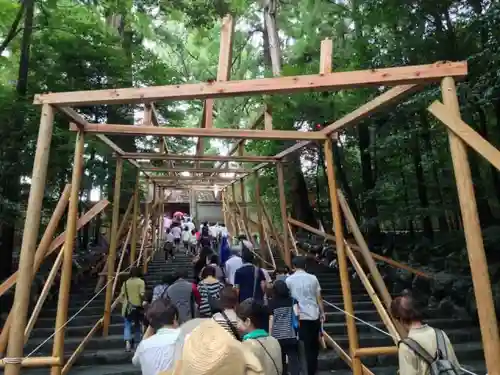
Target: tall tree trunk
(421, 187)
(410, 227)
(370, 207)
(426, 136)
(11, 177)
(483, 130)
(301, 207)
(343, 180)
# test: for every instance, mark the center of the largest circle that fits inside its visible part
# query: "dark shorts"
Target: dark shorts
(177, 241)
(186, 244)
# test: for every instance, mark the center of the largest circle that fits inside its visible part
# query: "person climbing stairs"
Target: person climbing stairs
(101, 356)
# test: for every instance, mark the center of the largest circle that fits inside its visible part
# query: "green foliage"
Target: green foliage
(82, 45)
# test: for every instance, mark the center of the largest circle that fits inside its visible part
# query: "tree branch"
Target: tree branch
(14, 30)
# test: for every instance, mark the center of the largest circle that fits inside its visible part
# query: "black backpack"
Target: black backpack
(438, 364)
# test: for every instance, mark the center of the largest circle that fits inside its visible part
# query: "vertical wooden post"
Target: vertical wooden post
(260, 217)
(473, 237)
(237, 225)
(67, 264)
(284, 216)
(342, 259)
(30, 234)
(146, 230)
(135, 214)
(153, 218)
(112, 247)
(161, 209)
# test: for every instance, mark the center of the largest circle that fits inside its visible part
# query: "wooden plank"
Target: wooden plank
(139, 130)
(466, 133)
(226, 48)
(81, 347)
(160, 156)
(197, 170)
(325, 58)
(35, 362)
(420, 74)
(473, 236)
(355, 247)
(375, 105)
(59, 240)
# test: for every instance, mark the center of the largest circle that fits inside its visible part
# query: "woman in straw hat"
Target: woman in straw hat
(211, 350)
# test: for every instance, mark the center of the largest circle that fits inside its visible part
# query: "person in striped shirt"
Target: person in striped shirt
(281, 327)
(209, 288)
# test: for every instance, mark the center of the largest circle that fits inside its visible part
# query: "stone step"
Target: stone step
(76, 331)
(80, 320)
(470, 356)
(368, 339)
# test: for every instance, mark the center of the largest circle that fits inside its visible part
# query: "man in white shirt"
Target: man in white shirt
(190, 224)
(156, 351)
(233, 264)
(177, 232)
(305, 289)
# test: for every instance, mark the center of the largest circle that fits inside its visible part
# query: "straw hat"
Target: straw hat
(211, 350)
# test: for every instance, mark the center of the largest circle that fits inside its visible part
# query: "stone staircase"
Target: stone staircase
(102, 356)
(108, 357)
(464, 334)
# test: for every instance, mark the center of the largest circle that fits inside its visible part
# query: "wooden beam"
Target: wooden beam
(325, 58)
(466, 133)
(191, 178)
(473, 236)
(157, 156)
(30, 235)
(67, 264)
(138, 130)
(382, 258)
(226, 48)
(420, 74)
(196, 170)
(375, 105)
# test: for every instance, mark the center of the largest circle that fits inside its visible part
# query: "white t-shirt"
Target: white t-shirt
(190, 225)
(170, 237)
(156, 353)
(213, 231)
(186, 235)
(193, 239)
(305, 289)
(176, 231)
(232, 265)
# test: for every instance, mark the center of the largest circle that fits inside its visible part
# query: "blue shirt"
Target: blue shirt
(244, 279)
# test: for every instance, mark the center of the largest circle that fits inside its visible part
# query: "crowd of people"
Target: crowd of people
(234, 319)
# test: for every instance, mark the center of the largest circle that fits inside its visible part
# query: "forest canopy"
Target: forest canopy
(394, 167)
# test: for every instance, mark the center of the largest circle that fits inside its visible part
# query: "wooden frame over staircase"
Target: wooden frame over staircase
(402, 80)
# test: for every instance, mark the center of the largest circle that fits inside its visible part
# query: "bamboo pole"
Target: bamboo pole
(67, 264)
(341, 257)
(342, 354)
(146, 229)
(40, 254)
(43, 296)
(292, 238)
(260, 219)
(112, 246)
(365, 251)
(30, 234)
(235, 200)
(135, 214)
(284, 216)
(473, 238)
(384, 315)
(120, 262)
(33, 362)
(329, 237)
(375, 351)
(81, 347)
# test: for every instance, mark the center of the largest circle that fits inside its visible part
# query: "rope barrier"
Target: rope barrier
(378, 329)
(14, 360)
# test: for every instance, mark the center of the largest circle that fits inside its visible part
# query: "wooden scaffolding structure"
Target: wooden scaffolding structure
(402, 80)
